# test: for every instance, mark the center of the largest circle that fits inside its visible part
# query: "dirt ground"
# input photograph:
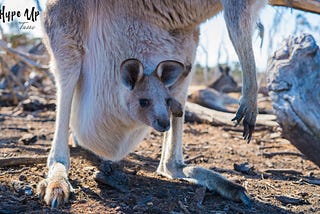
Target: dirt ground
(277, 177)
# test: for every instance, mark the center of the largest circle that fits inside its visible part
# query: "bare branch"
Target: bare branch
(17, 161)
(312, 6)
(26, 57)
(6, 70)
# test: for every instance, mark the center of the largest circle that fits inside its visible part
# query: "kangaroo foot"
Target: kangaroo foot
(55, 189)
(210, 179)
(112, 175)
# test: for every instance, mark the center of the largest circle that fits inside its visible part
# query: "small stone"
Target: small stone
(118, 208)
(113, 205)
(28, 139)
(22, 178)
(82, 201)
(28, 190)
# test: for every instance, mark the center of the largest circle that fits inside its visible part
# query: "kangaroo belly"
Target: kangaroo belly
(100, 119)
(102, 132)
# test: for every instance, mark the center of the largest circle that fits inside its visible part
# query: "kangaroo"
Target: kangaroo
(225, 83)
(122, 66)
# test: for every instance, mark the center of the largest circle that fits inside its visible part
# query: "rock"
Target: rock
(22, 188)
(294, 85)
(28, 139)
(111, 173)
(34, 103)
(244, 168)
(22, 177)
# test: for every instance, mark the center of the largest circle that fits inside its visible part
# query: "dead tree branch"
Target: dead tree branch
(312, 6)
(17, 161)
(27, 58)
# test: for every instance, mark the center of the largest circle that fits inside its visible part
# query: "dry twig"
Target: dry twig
(189, 160)
(27, 160)
(283, 171)
(272, 154)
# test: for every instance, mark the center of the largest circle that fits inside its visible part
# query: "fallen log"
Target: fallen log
(294, 87)
(199, 114)
(210, 98)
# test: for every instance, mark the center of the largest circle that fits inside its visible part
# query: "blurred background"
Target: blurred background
(215, 48)
(279, 178)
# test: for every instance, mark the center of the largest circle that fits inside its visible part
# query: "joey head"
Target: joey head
(149, 100)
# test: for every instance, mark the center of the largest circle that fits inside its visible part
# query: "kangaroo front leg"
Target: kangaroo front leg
(56, 188)
(172, 166)
(239, 17)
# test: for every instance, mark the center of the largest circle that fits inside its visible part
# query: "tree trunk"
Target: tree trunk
(294, 85)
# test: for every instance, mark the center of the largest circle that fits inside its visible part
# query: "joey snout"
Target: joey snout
(161, 124)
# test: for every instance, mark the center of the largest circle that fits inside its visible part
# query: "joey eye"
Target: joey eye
(168, 101)
(144, 103)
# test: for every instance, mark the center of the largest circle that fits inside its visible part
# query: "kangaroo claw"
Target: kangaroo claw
(54, 203)
(248, 113)
(55, 190)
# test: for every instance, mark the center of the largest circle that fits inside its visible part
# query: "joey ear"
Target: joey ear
(131, 72)
(169, 71)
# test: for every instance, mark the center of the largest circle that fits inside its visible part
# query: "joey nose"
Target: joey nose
(163, 124)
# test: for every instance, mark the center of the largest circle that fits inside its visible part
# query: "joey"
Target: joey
(150, 101)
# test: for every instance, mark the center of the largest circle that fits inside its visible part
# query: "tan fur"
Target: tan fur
(89, 39)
